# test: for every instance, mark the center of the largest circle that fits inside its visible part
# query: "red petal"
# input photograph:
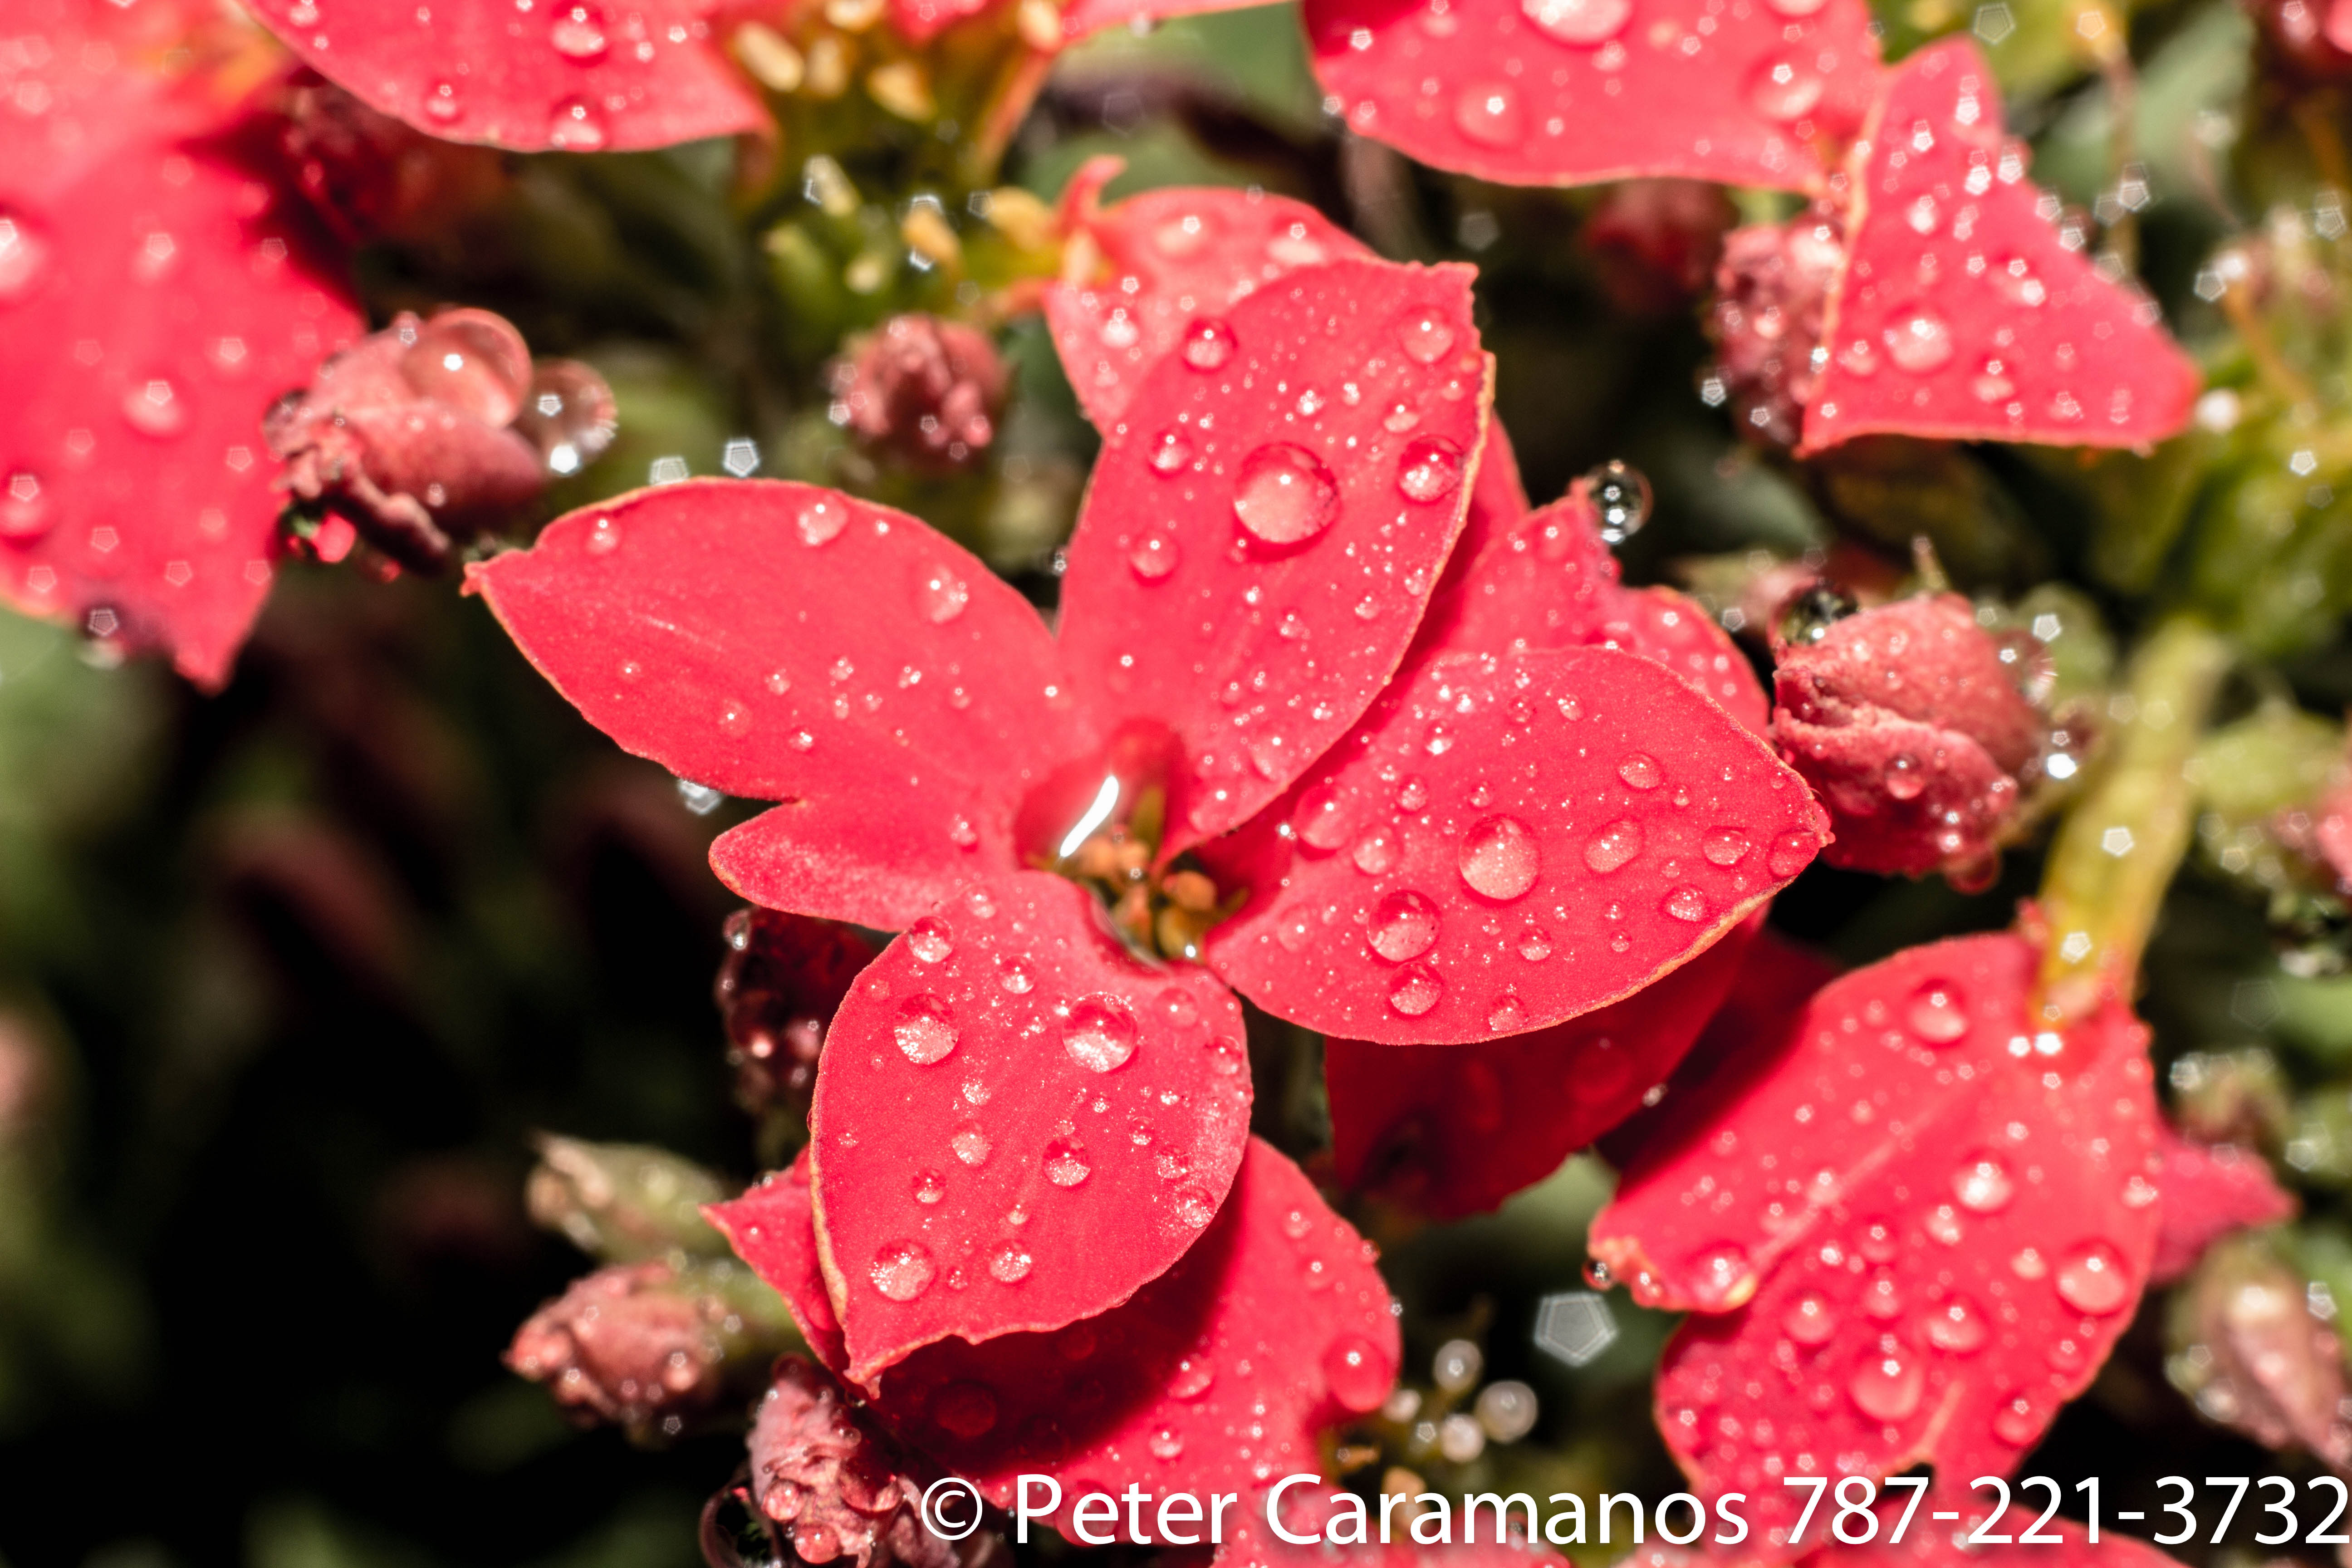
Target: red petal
(1174, 254)
(1017, 1124)
(2209, 1190)
(1217, 1376)
(920, 21)
(1613, 90)
(1259, 643)
(882, 681)
(2015, 338)
(771, 1228)
(1546, 580)
(1083, 17)
(576, 78)
(1447, 1130)
(1507, 843)
(1899, 1239)
(155, 301)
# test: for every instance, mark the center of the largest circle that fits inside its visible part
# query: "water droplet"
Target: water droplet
(155, 409)
(1010, 1264)
(578, 35)
(1786, 86)
(1099, 1034)
(734, 719)
(1621, 501)
(926, 1029)
(1489, 114)
(576, 128)
(1015, 975)
(1154, 557)
(1578, 22)
(1318, 820)
(971, 1144)
(22, 254)
(1192, 1377)
(1283, 495)
(1208, 344)
(1195, 1208)
(24, 511)
(1723, 1276)
(1724, 846)
(2016, 1422)
(902, 1270)
(940, 595)
(2092, 1279)
(927, 939)
(1424, 335)
(1176, 1006)
(1919, 341)
(1416, 990)
(1886, 1386)
(1405, 925)
(1508, 1016)
(1413, 794)
(821, 522)
(1535, 944)
(441, 104)
(1166, 1443)
(1065, 1164)
(1613, 846)
(1956, 1326)
(1791, 852)
(1356, 1372)
(1640, 770)
(1375, 852)
(1808, 1320)
(1902, 779)
(1429, 469)
(930, 1186)
(1171, 451)
(1983, 1185)
(1685, 903)
(1938, 1013)
(966, 1409)
(1498, 859)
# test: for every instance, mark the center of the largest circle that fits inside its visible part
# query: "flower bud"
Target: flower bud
(927, 389)
(1908, 722)
(782, 979)
(828, 1484)
(1771, 286)
(652, 1346)
(623, 1202)
(1657, 242)
(2231, 1097)
(2254, 1354)
(430, 433)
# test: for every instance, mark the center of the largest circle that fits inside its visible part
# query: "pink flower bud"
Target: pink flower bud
(430, 433)
(928, 389)
(829, 1483)
(1909, 723)
(628, 1344)
(2254, 1353)
(1770, 288)
(782, 979)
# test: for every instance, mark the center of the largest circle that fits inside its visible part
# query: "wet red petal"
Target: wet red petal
(1960, 314)
(1083, 17)
(1447, 1130)
(156, 298)
(1259, 543)
(2208, 1190)
(920, 21)
(1217, 1376)
(574, 75)
(1170, 257)
(1900, 1239)
(1546, 580)
(771, 1228)
(1016, 1123)
(789, 643)
(1507, 843)
(1564, 92)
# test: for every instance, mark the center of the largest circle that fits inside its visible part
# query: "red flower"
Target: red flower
(159, 290)
(829, 1481)
(1907, 1228)
(2209, 1191)
(1018, 1122)
(929, 389)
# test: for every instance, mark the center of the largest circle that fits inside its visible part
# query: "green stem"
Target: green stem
(2123, 839)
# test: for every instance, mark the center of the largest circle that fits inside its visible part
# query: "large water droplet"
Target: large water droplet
(821, 522)
(1498, 857)
(1171, 451)
(1791, 852)
(1685, 903)
(155, 409)
(1099, 1034)
(1416, 990)
(2092, 1279)
(1939, 1013)
(1723, 1276)
(2016, 1422)
(1535, 943)
(1808, 1320)
(1919, 341)
(1489, 114)
(926, 1029)
(1375, 852)
(1886, 1386)
(1786, 86)
(1580, 22)
(1153, 557)
(1065, 1164)
(927, 939)
(1621, 501)
(25, 511)
(576, 128)
(940, 595)
(1640, 770)
(1195, 1208)
(971, 1144)
(930, 1186)
(1405, 925)
(1902, 779)
(902, 1270)
(1010, 1264)
(1956, 1326)
(1424, 335)
(441, 104)
(1724, 846)
(1283, 495)
(1320, 820)
(578, 35)
(1355, 1374)
(1208, 344)
(1613, 846)
(1429, 469)
(1192, 1377)
(1983, 1185)
(1016, 976)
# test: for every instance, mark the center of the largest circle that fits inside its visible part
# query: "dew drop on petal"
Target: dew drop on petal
(1498, 857)
(928, 940)
(971, 1144)
(1685, 903)
(1194, 1206)
(576, 128)
(1983, 1185)
(23, 255)
(1724, 846)
(1016, 976)
(1956, 1326)
(1791, 852)
(926, 1030)
(902, 1270)
(1640, 770)
(1283, 495)
(1405, 925)
(930, 1187)
(155, 409)
(1065, 1164)
(1920, 340)
(1208, 344)
(940, 595)
(1508, 1016)
(1416, 990)
(1886, 1386)
(1488, 113)
(1808, 1320)
(1723, 1276)
(1429, 469)
(1581, 22)
(2091, 1277)
(1192, 1377)
(1938, 1013)
(821, 522)
(1171, 451)
(1613, 846)
(1010, 1264)
(578, 35)
(1153, 557)
(1535, 944)
(1166, 1443)
(1320, 820)
(1424, 335)
(1786, 86)
(1355, 1374)
(2015, 1421)
(1375, 852)
(441, 104)
(1099, 1033)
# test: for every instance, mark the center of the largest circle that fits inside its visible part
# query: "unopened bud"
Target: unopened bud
(623, 1202)
(2252, 1353)
(830, 1485)
(927, 389)
(1771, 287)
